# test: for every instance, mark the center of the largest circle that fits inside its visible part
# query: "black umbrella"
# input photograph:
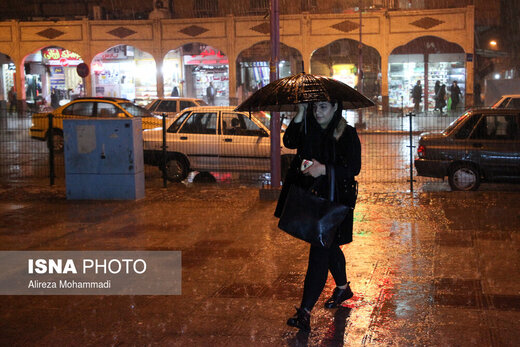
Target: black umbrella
(285, 93)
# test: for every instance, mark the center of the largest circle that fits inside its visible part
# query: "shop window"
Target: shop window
(206, 8)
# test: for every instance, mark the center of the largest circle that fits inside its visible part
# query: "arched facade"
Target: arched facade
(252, 66)
(382, 30)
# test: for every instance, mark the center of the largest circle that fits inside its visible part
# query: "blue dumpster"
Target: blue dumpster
(104, 158)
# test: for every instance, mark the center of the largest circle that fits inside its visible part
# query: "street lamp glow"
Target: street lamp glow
(493, 43)
(497, 76)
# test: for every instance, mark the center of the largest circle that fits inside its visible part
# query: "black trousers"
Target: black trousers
(321, 260)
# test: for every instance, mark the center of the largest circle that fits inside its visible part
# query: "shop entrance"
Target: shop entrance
(426, 59)
(51, 79)
(197, 70)
(340, 60)
(126, 72)
(253, 67)
(7, 78)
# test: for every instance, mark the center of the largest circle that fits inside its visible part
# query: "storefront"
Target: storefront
(126, 72)
(427, 59)
(253, 67)
(173, 76)
(7, 77)
(204, 65)
(51, 78)
(340, 60)
(63, 80)
(254, 75)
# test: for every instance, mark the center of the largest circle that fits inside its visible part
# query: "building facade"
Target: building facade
(148, 58)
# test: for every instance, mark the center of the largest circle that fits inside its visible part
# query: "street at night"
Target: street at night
(433, 268)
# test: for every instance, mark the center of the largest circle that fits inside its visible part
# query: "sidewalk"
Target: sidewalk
(433, 269)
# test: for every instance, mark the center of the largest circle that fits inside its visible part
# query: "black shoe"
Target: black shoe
(338, 296)
(301, 320)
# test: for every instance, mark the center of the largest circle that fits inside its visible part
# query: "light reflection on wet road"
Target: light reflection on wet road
(433, 268)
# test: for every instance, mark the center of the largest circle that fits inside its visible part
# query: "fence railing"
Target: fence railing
(388, 147)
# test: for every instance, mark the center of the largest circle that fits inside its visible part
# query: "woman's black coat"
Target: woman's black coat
(337, 146)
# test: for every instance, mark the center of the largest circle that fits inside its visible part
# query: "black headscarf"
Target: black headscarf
(318, 142)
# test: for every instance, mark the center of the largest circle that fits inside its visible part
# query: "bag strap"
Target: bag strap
(332, 179)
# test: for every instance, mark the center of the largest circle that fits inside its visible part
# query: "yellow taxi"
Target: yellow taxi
(84, 108)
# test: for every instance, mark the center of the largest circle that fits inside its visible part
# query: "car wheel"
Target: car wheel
(176, 169)
(57, 141)
(464, 177)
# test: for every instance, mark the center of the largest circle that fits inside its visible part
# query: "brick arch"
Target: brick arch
(261, 51)
(428, 45)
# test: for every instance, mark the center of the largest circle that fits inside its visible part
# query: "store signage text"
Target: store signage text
(58, 56)
(208, 57)
(118, 52)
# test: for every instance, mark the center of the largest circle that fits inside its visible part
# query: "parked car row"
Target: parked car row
(87, 107)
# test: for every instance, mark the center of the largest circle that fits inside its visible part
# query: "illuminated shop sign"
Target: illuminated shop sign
(117, 52)
(58, 56)
(208, 57)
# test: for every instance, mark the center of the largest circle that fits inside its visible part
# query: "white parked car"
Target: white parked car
(212, 138)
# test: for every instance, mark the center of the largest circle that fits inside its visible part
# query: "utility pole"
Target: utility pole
(273, 76)
(360, 124)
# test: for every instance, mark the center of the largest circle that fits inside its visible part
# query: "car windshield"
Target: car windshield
(455, 123)
(135, 110)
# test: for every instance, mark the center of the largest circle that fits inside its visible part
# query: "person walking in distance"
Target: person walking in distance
(210, 94)
(455, 95)
(440, 98)
(320, 134)
(11, 96)
(417, 96)
(436, 91)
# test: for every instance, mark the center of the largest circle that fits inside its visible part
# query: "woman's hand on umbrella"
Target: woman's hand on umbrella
(302, 110)
(316, 169)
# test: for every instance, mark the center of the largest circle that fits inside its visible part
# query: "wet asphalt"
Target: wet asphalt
(432, 268)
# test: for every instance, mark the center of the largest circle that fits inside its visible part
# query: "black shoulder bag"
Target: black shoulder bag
(311, 218)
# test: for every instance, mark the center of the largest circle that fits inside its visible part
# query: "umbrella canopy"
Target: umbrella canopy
(285, 93)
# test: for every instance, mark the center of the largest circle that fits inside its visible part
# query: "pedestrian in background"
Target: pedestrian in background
(440, 98)
(417, 96)
(11, 96)
(435, 96)
(324, 138)
(210, 94)
(55, 101)
(455, 95)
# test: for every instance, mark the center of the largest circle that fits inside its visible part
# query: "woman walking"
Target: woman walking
(321, 135)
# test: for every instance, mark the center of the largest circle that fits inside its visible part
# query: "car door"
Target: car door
(496, 140)
(197, 139)
(244, 144)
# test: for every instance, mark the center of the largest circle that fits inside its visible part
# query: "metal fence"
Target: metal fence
(388, 147)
